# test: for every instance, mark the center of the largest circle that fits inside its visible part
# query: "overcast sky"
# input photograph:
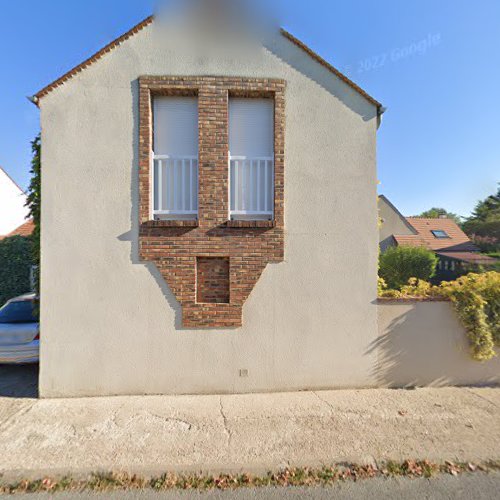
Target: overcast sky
(434, 64)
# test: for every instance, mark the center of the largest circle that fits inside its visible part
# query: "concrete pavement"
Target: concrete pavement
(253, 432)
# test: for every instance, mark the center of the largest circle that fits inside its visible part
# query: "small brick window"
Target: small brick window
(212, 280)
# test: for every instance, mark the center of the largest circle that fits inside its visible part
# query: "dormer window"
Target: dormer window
(439, 233)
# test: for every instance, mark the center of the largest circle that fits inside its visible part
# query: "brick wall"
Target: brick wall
(212, 280)
(175, 246)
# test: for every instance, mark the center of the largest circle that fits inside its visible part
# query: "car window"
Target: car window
(18, 312)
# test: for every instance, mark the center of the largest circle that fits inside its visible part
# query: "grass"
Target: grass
(287, 477)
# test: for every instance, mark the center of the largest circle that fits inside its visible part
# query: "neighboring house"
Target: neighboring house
(456, 253)
(197, 219)
(25, 229)
(391, 222)
(12, 204)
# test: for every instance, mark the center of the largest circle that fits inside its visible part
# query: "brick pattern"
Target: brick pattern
(212, 280)
(176, 247)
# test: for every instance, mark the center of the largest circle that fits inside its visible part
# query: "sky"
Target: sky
(435, 65)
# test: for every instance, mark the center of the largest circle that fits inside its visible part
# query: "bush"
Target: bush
(487, 244)
(398, 264)
(477, 300)
(15, 267)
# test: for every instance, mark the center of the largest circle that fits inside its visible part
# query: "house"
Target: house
(457, 254)
(12, 204)
(197, 218)
(25, 229)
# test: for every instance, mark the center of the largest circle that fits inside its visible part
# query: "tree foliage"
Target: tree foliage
(398, 264)
(483, 226)
(33, 202)
(435, 213)
(15, 266)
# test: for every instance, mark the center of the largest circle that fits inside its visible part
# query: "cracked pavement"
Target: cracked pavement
(252, 432)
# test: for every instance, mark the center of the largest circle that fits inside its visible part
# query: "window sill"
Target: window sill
(251, 223)
(171, 223)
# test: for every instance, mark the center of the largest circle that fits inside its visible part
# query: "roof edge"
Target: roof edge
(12, 180)
(146, 22)
(332, 69)
(404, 219)
(95, 57)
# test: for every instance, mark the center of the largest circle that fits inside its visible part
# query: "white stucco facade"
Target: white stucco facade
(12, 200)
(109, 322)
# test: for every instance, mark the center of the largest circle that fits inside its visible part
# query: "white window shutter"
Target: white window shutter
(251, 127)
(251, 158)
(175, 157)
(175, 126)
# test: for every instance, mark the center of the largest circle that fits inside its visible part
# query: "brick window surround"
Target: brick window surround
(179, 247)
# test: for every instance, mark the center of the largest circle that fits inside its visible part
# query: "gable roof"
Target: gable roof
(457, 240)
(12, 180)
(470, 257)
(401, 217)
(146, 22)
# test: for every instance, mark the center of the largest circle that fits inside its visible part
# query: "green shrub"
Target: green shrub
(398, 264)
(15, 266)
(477, 300)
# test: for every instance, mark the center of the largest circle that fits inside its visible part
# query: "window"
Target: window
(175, 157)
(251, 158)
(19, 311)
(438, 233)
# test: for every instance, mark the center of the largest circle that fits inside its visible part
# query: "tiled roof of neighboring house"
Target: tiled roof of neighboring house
(457, 240)
(115, 43)
(25, 229)
(470, 257)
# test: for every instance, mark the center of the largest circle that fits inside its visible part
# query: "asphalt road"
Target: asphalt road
(19, 381)
(467, 486)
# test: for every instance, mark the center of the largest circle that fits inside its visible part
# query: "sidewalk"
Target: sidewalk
(253, 433)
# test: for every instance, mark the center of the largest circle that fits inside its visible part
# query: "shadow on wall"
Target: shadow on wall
(295, 57)
(424, 344)
(132, 236)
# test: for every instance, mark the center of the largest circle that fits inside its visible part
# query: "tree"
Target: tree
(435, 213)
(485, 222)
(34, 204)
(15, 265)
(487, 209)
(398, 264)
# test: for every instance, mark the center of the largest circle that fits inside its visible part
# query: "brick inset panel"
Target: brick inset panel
(212, 280)
(175, 246)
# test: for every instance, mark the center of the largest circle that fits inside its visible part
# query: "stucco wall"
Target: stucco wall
(108, 320)
(12, 210)
(424, 344)
(392, 222)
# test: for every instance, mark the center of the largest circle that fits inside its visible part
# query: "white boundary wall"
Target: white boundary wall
(424, 344)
